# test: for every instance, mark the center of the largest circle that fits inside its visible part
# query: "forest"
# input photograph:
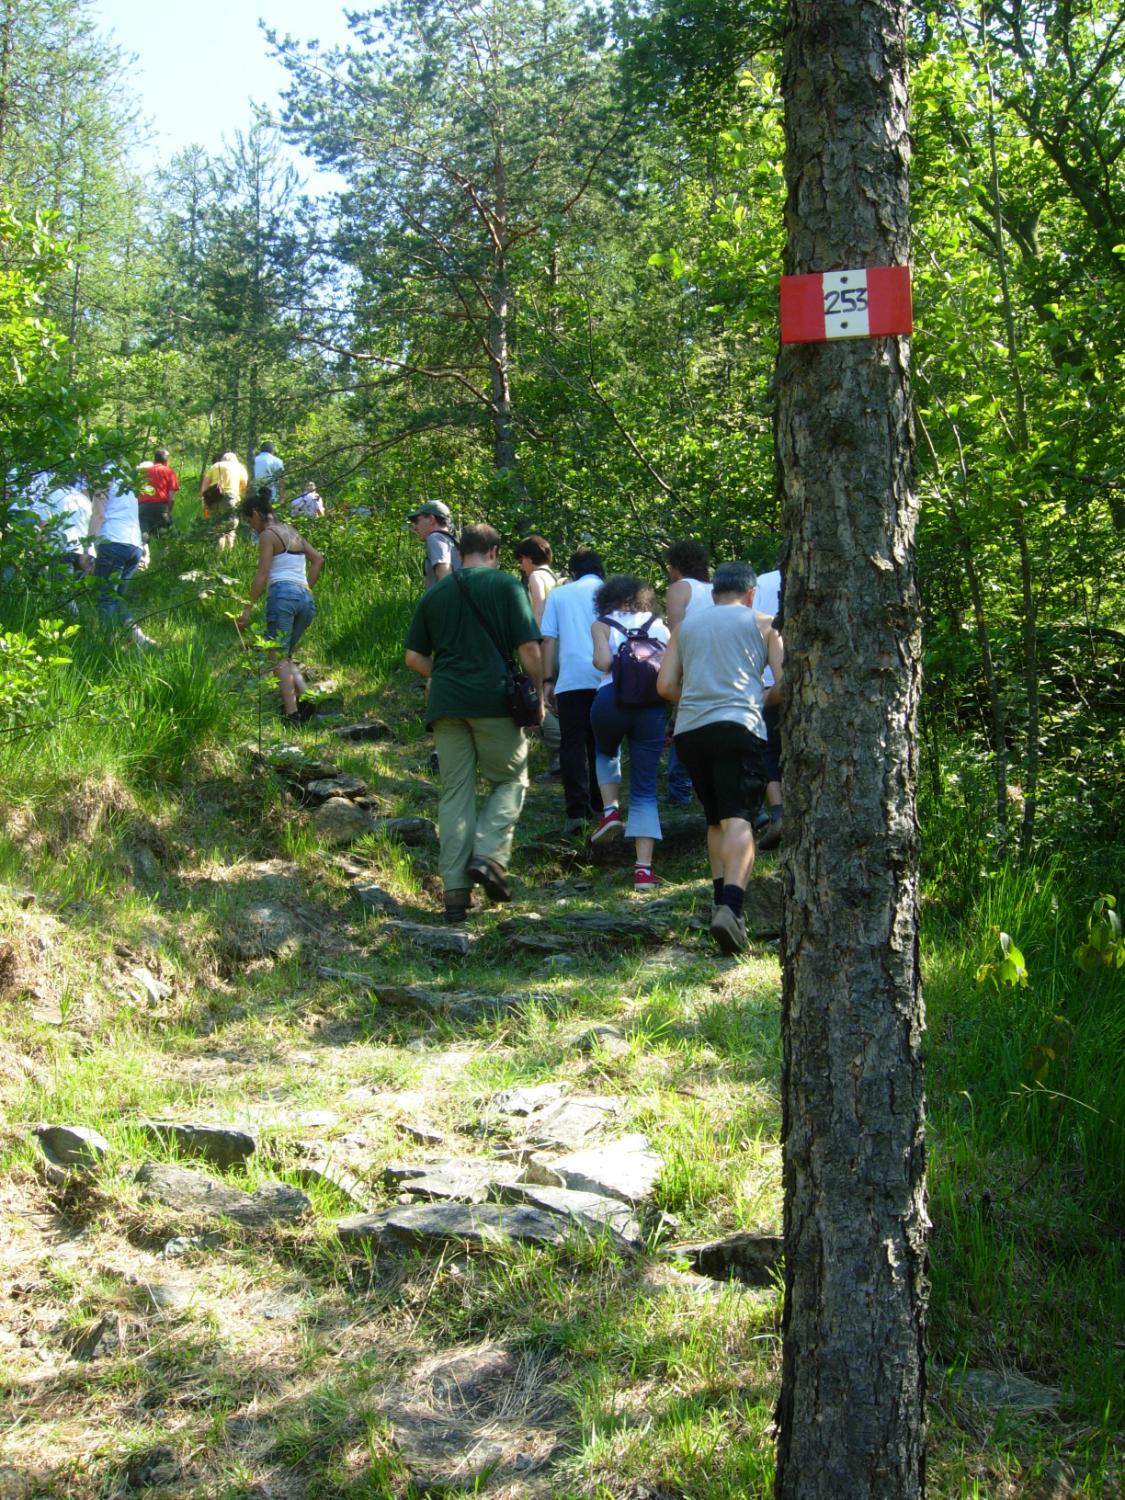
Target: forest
(545, 294)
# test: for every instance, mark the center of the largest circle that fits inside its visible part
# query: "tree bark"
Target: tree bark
(851, 1416)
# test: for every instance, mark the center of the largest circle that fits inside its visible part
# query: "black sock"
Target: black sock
(732, 897)
(717, 885)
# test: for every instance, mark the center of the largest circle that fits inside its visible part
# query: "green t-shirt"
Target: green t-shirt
(469, 680)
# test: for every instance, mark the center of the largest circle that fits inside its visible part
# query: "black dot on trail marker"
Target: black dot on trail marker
(843, 325)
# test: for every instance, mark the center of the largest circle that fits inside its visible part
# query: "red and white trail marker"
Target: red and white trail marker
(846, 304)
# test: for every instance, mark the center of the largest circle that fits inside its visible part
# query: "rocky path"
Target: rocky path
(312, 1194)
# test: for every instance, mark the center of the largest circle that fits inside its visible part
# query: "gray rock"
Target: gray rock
(339, 821)
(327, 1173)
(184, 1244)
(1005, 1389)
(410, 831)
(19, 895)
(467, 1180)
(155, 990)
(591, 1211)
(436, 939)
(343, 784)
(436, 1225)
(221, 1145)
(105, 1337)
(525, 1099)
(263, 931)
(163, 1298)
(425, 1135)
(373, 897)
(626, 1168)
(585, 927)
(762, 906)
(602, 1038)
(368, 729)
(570, 1121)
(486, 1007)
(74, 1148)
(193, 1194)
(753, 1259)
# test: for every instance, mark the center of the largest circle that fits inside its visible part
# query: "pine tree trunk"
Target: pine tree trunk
(851, 1410)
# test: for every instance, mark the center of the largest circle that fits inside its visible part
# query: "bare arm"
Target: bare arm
(537, 592)
(603, 652)
(423, 665)
(97, 513)
(547, 652)
(775, 651)
(676, 601)
(670, 678)
(316, 562)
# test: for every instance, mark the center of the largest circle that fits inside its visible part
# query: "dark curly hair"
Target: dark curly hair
(622, 593)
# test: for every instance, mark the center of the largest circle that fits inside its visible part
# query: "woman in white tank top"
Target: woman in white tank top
(288, 567)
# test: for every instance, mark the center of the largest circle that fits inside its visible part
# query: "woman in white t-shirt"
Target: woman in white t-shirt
(120, 550)
(624, 604)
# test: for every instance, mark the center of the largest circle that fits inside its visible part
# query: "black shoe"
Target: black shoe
(435, 764)
(486, 872)
(772, 836)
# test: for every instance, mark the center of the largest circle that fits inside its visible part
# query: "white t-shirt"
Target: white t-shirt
(267, 467)
(701, 596)
(567, 618)
(71, 508)
(121, 523)
(309, 504)
(630, 620)
(767, 596)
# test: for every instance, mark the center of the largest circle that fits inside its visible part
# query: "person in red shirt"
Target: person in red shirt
(159, 484)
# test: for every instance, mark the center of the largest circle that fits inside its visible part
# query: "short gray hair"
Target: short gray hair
(733, 578)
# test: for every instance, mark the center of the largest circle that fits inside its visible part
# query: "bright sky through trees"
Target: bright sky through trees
(200, 65)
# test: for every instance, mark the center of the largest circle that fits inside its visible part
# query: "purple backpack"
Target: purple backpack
(636, 664)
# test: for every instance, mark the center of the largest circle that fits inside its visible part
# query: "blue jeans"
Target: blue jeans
(289, 613)
(116, 557)
(613, 723)
(680, 789)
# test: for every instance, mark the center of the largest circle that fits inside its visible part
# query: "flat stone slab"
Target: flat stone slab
(221, 1145)
(410, 831)
(464, 1180)
(1005, 1389)
(435, 1225)
(626, 1168)
(525, 1099)
(581, 927)
(71, 1147)
(753, 1259)
(367, 729)
(343, 784)
(193, 1193)
(373, 897)
(569, 1122)
(590, 1211)
(323, 1172)
(436, 939)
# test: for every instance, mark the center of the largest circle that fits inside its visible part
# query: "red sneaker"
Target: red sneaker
(610, 827)
(644, 879)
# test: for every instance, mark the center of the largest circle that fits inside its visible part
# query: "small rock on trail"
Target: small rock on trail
(194, 1194)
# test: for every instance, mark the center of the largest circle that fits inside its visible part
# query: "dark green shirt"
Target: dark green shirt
(469, 681)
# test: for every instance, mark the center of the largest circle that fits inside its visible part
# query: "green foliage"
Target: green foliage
(26, 662)
(1009, 969)
(1103, 947)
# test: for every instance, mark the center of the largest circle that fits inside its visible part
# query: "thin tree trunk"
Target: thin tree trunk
(1015, 509)
(7, 49)
(851, 1414)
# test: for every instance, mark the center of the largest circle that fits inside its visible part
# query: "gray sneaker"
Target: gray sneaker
(728, 930)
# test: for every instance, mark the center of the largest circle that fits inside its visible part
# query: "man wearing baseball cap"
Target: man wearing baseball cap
(433, 525)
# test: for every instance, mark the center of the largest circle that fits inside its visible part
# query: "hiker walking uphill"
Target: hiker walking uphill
(433, 525)
(160, 484)
(120, 550)
(570, 682)
(713, 670)
(288, 567)
(627, 639)
(689, 590)
(222, 487)
(461, 641)
(534, 558)
(270, 471)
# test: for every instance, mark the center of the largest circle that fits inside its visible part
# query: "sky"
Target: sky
(201, 62)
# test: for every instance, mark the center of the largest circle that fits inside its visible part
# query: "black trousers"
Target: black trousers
(576, 753)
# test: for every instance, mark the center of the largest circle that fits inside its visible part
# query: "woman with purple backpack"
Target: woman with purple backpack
(629, 641)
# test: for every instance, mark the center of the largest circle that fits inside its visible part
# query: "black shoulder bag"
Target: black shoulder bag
(521, 692)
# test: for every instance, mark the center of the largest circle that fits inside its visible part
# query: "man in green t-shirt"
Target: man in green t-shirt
(462, 650)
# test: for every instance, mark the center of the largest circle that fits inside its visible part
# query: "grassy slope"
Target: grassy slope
(146, 838)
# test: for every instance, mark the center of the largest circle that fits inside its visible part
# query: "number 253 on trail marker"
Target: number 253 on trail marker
(846, 305)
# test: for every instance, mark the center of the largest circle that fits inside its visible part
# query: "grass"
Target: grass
(281, 1370)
